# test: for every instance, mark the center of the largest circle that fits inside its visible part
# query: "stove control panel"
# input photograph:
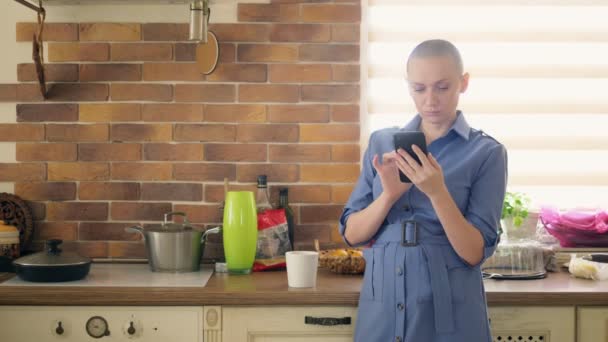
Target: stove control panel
(93, 323)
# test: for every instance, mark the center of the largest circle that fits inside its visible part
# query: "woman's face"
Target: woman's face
(435, 85)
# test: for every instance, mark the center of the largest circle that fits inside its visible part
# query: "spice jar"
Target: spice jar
(9, 241)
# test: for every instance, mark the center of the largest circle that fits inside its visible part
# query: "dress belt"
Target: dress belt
(438, 272)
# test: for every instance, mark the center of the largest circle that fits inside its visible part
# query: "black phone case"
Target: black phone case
(405, 140)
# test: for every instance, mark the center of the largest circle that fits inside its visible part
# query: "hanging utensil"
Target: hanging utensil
(207, 51)
(37, 44)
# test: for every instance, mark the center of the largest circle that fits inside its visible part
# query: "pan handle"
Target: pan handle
(210, 231)
(135, 229)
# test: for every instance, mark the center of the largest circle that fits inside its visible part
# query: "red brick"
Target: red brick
(97, 249)
(267, 53)
(267, 133)
(299, 153)
(230, 72)
(268, 12)
(165, 32)
(79, 92)
(191, 152)
(324, 133)
(77, 211)
(215, 193)
(299, 113)
(235, 152)
(205, 132)
(172, 192)
(108, 191)
(110, 72)
(172, 112)
(268, 93)
(106, 231)
(71, 52)
(77, 132)
(26, 72)
(313, 33)
(201, 213)
(341, 193)
(346, 33)
(346, 73)
(205, 93)
(78, 171)
(52, 32)
(235, 113)
(14, 172)
(109, 31)
(275, 172)
(241, 32)
(203, 171)
(345, 153)
(330, 93)
(316, 193)
(38, 210)
(331, 13)
(304, 235)
(172, 72)
(121, 249)
(66, 231)
(29, 92)
(109, 152)
(142, 92)
(21, 132)
(329, 53)
(320, 213)
(141, 132)
(8, 92)
(345, 113)
(47, 112)
(46, 191)
(329, 173)
(300, 73)
(139, 211)
(46, 152)
(186, 52)
(141, 52)
(110, 112)
(141, 171)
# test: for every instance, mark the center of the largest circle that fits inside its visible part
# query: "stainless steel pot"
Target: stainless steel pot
(174, 247)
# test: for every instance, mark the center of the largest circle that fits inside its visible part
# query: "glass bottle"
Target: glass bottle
(284, 204)
(262, 198)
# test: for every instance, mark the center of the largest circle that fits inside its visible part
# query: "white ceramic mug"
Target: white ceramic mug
(302, 268)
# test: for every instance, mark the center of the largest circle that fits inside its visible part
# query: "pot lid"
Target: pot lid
(173, 227)
(52, 257)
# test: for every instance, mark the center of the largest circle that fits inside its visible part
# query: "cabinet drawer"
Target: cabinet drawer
(293, 323)
(532, 324)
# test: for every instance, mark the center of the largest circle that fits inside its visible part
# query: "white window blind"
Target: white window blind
(539, 84)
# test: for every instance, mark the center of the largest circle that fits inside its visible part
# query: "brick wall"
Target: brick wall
(131, 130)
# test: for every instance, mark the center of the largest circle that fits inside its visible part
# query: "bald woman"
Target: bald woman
(427, 239)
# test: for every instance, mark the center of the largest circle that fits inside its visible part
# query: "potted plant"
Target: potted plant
(517, 221)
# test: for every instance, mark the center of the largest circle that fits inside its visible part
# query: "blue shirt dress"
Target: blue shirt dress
(416, 288)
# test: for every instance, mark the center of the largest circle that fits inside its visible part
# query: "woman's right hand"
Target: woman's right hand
(389, 176)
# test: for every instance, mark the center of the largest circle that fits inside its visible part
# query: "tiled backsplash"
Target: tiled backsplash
(131, 129)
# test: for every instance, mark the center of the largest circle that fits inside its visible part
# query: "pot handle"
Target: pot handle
(175, 213)
(135, 229)
(210, 231)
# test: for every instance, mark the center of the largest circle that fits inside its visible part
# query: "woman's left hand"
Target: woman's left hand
(427, 176)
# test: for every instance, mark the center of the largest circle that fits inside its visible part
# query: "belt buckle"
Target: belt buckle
(404, 241)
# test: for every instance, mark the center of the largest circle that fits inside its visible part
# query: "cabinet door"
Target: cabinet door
(592, 324)
(288, 324)
(532, 324)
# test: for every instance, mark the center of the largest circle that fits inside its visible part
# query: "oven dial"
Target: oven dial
(97, 327)
(132, 328)
(60, 328)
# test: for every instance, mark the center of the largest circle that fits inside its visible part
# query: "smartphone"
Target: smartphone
(405, 140)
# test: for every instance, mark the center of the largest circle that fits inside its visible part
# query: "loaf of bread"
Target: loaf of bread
(343, 260)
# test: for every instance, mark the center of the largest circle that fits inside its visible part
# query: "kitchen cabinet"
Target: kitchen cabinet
(533, 324)
(288, 323)
(592, 324)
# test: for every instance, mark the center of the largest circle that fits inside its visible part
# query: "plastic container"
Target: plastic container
(522, 260)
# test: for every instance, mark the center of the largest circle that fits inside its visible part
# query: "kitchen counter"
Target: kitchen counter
(271, 289)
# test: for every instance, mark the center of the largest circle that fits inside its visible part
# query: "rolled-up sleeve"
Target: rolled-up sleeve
(362, 194)
(486, 199)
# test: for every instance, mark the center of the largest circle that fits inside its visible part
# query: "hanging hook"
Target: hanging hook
(31, 6)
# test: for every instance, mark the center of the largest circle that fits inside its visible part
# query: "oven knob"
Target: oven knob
(132, 328)
(60, 328)
(97, 327)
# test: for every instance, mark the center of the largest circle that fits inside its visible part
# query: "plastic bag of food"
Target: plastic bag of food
(273, 240)
(582, 268)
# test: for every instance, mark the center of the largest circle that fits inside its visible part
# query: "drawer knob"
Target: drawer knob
(328, 321)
